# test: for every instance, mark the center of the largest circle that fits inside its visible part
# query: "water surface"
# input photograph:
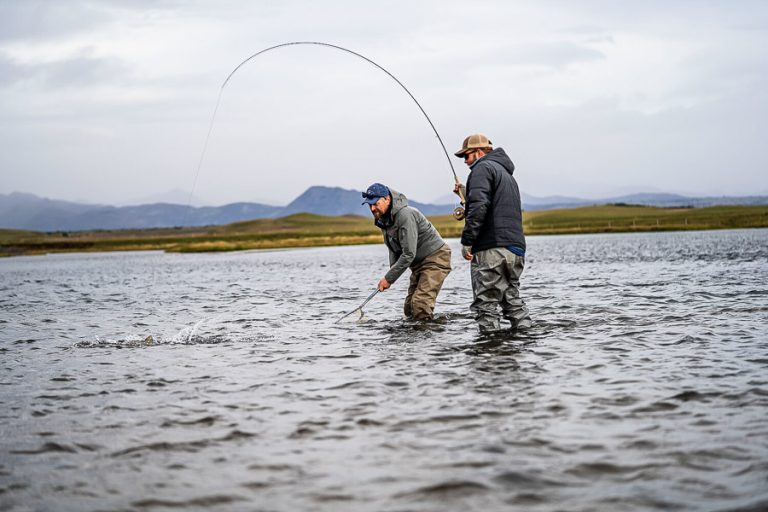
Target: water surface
(152, 381)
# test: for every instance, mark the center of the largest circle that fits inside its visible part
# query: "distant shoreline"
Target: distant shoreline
(308, 230)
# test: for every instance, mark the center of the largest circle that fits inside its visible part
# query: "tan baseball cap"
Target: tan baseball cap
(474, 141)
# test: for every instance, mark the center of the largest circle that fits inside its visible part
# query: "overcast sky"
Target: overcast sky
(110, 101)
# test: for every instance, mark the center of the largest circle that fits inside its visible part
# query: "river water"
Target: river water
(642, 386)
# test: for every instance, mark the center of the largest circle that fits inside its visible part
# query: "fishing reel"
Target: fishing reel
(460, 190)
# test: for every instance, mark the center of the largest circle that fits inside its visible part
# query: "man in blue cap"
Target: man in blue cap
(414, 243)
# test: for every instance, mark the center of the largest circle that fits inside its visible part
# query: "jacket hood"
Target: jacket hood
(499, 156)
(399, 201)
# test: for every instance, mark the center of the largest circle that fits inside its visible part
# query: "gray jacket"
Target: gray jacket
(408, 235)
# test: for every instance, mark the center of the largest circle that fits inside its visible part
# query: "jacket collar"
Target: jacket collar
(478, 161)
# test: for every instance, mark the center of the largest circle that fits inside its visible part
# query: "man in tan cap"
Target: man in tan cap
(493, 238)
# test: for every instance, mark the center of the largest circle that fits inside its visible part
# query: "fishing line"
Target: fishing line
(315, 43)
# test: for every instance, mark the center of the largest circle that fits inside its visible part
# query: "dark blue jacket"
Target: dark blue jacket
(494, 215)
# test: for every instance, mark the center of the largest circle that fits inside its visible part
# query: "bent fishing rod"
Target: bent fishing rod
(458, 213)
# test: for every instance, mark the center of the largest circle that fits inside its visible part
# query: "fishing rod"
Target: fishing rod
(458, 213)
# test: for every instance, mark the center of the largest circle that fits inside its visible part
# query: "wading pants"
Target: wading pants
(427, 278)
(496, 281)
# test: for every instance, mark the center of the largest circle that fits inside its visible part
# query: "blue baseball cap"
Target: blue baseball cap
(374, 193)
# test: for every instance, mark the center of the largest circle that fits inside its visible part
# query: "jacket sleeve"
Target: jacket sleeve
(480, 186)
(392, 253)
(408, 236)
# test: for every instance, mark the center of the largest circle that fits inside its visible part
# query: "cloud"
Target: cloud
(39, 19)
(76, 71)
(556, 55)
(10, 72)
(43, 20)
(116, 89)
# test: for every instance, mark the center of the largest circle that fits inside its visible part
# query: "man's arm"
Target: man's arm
(383, 283)
(392, 253)
(480, 185)
(408, 236)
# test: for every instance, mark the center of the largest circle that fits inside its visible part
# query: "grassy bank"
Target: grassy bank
(306, 230)
(625, 218)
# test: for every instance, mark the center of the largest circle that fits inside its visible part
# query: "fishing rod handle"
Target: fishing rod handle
(460, 190)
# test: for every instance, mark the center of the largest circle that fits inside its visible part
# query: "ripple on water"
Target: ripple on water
(220, 381)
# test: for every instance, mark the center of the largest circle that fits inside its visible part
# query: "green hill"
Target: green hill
(309, 230)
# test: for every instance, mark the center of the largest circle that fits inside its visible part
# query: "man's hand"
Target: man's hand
(466, 251)
(460, 190)
(383, 284)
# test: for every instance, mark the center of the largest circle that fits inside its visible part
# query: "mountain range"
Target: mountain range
(30, 212)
